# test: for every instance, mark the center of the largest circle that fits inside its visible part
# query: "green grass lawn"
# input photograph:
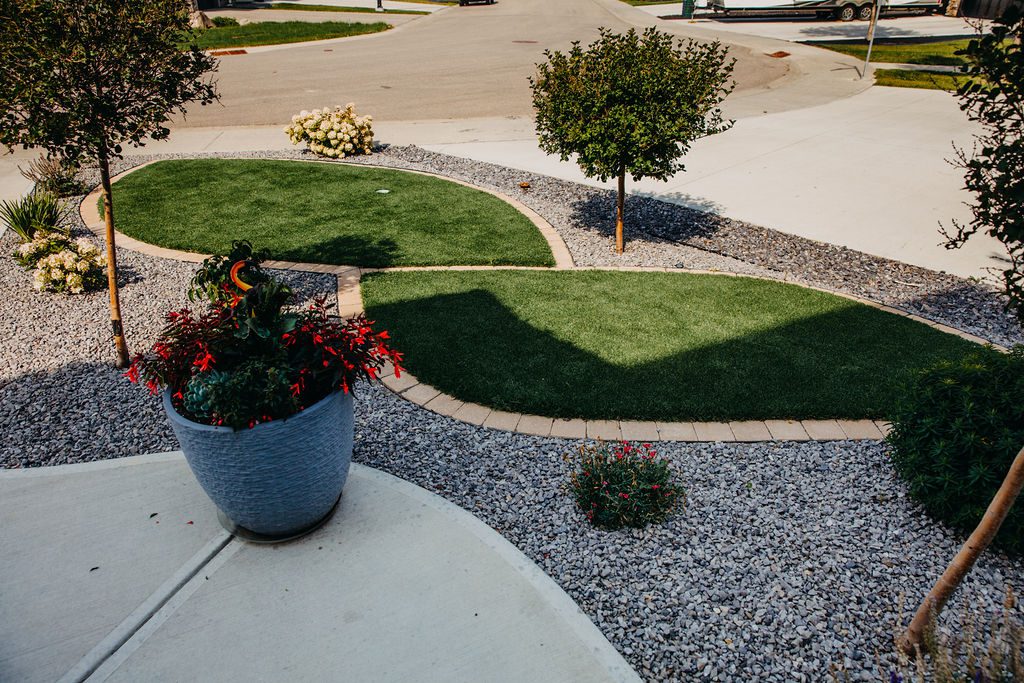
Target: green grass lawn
(333, 8)
(323, 213)
(929, 80)
(279, 32)
(651, 346)
(897, 52)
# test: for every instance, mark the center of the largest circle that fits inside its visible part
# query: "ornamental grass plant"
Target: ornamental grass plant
(624, 485)
(249, 355)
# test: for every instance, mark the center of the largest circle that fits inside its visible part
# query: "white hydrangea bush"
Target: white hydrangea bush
(334, 133)
(63, 265)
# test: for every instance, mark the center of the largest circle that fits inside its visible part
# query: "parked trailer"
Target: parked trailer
(843, 10)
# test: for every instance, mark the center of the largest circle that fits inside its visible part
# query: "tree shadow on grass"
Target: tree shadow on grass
(848, 363)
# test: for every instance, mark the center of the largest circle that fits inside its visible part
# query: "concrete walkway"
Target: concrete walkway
(118, 570)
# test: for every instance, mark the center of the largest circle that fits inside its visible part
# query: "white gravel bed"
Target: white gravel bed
(788, 557)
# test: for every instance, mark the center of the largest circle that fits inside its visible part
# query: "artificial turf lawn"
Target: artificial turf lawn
(323, 213)
(929, 80)
(279, 32)
(897, 52)
(650, 346)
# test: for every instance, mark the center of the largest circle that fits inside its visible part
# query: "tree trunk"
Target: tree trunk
(980, 539)
(115, 301)
(620, 202)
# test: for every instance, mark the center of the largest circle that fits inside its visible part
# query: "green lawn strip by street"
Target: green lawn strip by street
(941, 53)
(930, 80)
(332, 8)
(324, 213)
(650, 346)
(280, 32)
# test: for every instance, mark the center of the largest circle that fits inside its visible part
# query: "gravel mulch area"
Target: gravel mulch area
(61, 399)
(789, 558)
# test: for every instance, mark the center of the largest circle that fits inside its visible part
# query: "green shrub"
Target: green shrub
(955, 432)
(39, 211)
(61, 264)
(623, 485)
(55, 175)
(212, 281)
(222, 22)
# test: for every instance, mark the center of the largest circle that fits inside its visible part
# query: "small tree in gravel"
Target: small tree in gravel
(994, 97)
(80, 79)
(630, 103)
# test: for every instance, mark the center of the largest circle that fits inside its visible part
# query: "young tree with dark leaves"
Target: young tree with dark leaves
(993, 95)
(630, 104)
(82, 79)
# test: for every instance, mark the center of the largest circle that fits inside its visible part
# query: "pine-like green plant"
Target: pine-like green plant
(956, 432)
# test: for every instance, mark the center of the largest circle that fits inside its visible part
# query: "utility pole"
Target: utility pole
(876, 9)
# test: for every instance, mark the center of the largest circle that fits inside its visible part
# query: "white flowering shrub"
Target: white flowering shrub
(62, 264)
(335, 133)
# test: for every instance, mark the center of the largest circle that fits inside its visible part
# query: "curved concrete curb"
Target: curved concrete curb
(350, 303)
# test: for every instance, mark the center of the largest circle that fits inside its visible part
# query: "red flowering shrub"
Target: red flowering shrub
(248, 359)
(624, 485)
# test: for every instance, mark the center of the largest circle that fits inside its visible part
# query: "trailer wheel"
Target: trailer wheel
(864, 12)
(846, 13)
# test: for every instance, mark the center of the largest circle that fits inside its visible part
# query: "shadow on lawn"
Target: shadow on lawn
(346, 250)
(847, 363)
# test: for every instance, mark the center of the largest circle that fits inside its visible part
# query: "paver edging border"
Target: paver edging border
(428, 397)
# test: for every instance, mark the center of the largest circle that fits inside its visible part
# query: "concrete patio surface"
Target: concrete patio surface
(118, 570)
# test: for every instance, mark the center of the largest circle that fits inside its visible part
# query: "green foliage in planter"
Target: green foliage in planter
(221, 22)
(623, 485)
(253, 389)
(955, 433)
(212, 282)
(36, 212)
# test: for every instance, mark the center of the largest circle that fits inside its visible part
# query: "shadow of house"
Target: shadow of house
(844, 361)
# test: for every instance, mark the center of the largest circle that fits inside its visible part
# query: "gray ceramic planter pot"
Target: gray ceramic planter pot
(279, 478)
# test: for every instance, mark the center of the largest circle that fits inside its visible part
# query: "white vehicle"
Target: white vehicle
(843, 10)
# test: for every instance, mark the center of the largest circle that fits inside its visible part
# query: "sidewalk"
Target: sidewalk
(118, 570)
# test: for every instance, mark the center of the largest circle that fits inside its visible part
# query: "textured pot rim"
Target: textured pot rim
(178, 418)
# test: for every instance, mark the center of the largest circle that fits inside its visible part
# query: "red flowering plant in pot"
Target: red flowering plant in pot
(259, 394)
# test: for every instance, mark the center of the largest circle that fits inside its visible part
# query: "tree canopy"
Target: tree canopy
(83, 78)
(630, 103)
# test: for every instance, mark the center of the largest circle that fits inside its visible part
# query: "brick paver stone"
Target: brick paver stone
(499, 419)
(824, 430)
(634, 430)
(750, 430)
(569, 429)
(713, 431)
